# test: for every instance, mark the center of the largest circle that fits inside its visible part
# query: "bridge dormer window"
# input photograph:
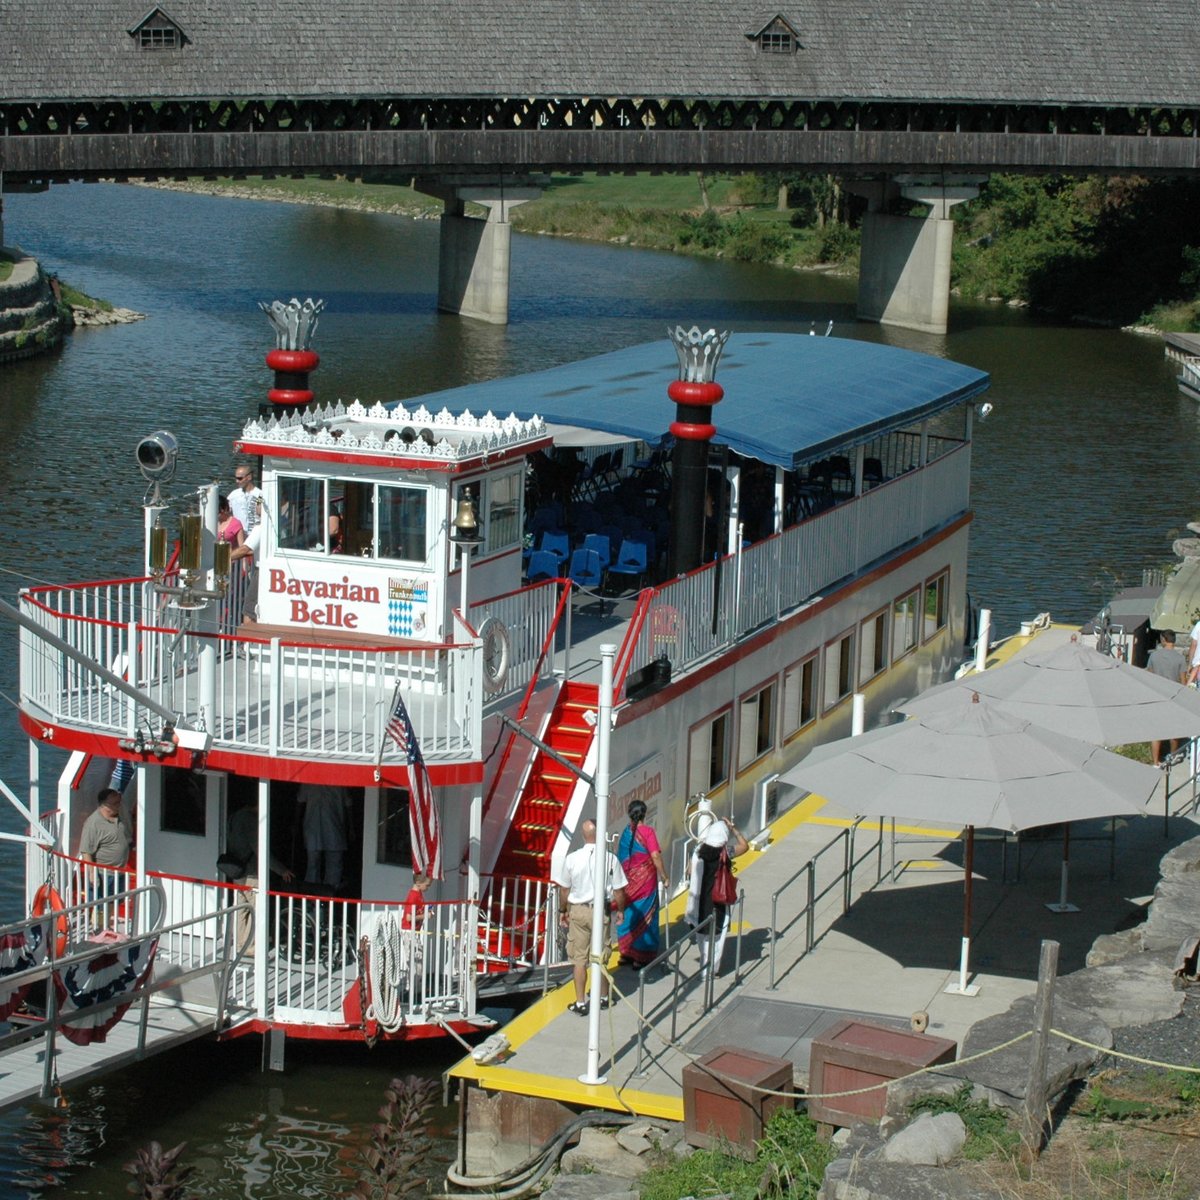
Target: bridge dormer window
(158, 31)
(777, 36)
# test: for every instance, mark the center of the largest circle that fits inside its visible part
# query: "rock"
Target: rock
(1113, 947)
(633, 1143)
(85, 316)
(1183, 859)
(930, 1141)
(599, 1152)
(589, 1187)
(1134, 991)
(871, 1179)
(1001, 1077)
(1174, 912)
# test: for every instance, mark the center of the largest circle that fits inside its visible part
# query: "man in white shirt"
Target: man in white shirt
(577, 890)
(245, 499)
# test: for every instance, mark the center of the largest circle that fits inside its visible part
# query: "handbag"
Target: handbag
(724, 889)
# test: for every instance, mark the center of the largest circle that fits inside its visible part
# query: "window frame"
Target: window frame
(724, 713)
(796, 670)
(941, 581)
(915, 594)
(879, 664)
(328, 485)
(754, 698)
(848, 635)
(482, 487)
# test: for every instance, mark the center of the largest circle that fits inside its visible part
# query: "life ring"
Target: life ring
(47, 898)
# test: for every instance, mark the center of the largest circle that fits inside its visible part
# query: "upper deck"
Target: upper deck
(863, 459)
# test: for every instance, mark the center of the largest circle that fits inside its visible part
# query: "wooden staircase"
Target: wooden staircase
(543, 804)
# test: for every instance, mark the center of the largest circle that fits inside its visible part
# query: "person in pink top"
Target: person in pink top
(641, 859)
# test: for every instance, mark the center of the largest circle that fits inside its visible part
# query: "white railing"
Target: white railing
(528, 615)
(276, 696)
(777, 575)
(514, 922)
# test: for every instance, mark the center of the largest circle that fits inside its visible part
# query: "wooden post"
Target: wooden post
(1033, 1124)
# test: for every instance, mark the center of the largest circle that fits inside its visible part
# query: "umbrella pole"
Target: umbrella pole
(962, 988)
(1062, 906)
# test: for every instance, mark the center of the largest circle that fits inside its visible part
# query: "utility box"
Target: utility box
(728, 1098)
(855, 1054)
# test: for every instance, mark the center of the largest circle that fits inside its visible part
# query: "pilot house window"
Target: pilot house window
(343, 516)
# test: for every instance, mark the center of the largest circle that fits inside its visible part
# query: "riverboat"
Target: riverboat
(433, 590)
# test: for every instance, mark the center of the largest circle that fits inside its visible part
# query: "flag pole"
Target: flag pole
(600, 878)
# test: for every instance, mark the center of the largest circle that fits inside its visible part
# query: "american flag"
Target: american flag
(422, 813)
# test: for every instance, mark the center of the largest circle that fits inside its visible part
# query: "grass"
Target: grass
(790, 1161)
(990, 1130)
(6, 266)
(78, 299)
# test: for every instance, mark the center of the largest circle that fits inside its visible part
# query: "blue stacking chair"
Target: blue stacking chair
(555, 542)
(542, 565)
(585, 569)
(600, 543)
(630, 560)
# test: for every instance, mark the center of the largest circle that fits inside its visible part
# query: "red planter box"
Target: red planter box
(723, 1104)
(854, 1054)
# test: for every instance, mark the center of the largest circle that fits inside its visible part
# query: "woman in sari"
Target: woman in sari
(642, 862)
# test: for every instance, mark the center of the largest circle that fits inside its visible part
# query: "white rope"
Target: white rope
(387, 976)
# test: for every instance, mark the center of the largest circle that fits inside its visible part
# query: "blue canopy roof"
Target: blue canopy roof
(789, 398)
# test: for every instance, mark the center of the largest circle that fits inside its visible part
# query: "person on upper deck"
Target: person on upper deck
(245, 500)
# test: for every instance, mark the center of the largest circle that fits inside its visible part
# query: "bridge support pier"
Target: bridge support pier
(904, 265)
(474, 252)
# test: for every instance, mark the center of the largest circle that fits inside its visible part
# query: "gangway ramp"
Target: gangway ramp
(85, 991)
(23, 1069)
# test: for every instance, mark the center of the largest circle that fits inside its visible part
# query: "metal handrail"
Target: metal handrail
(846, 839)
(669, 959)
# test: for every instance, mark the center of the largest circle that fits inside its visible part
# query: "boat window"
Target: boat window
(403, 529)
(756, 730)
(708, 754)
(935, 604)
(904, 624)
(347, 516)
(183, 808)
(302, 516)
(393, 845)
(497, 508)
(872, 646)
(839, 669)
(800, 695)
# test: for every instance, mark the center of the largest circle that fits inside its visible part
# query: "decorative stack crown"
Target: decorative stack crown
(698, 352)
(294, 323)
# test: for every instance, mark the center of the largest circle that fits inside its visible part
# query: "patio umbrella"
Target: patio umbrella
(974, 766)
(1076, 691)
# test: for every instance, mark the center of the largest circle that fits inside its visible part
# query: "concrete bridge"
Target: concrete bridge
(898, 98)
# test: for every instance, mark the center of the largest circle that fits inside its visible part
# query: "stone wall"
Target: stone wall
(30, 321)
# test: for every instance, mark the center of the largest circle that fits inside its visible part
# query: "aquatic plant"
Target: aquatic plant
(158, 1173)
(395, 1162)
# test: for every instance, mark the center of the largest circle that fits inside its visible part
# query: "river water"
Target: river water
(1082, 475)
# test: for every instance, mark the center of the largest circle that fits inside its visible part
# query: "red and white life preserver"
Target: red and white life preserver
(47, 899)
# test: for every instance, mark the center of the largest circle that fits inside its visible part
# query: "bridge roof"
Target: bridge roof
(789, 398)
(1075, 52)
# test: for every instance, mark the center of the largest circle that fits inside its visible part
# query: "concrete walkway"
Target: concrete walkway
(892, 954)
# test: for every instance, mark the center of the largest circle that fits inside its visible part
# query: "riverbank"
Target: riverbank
(36, 308)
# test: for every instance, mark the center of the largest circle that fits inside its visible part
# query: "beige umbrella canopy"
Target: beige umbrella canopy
(1076, 691)
(974, 765)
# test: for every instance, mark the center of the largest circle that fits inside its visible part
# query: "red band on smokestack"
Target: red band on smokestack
(294, 362)
(684, 392)
(290, 396)
(690, 432)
